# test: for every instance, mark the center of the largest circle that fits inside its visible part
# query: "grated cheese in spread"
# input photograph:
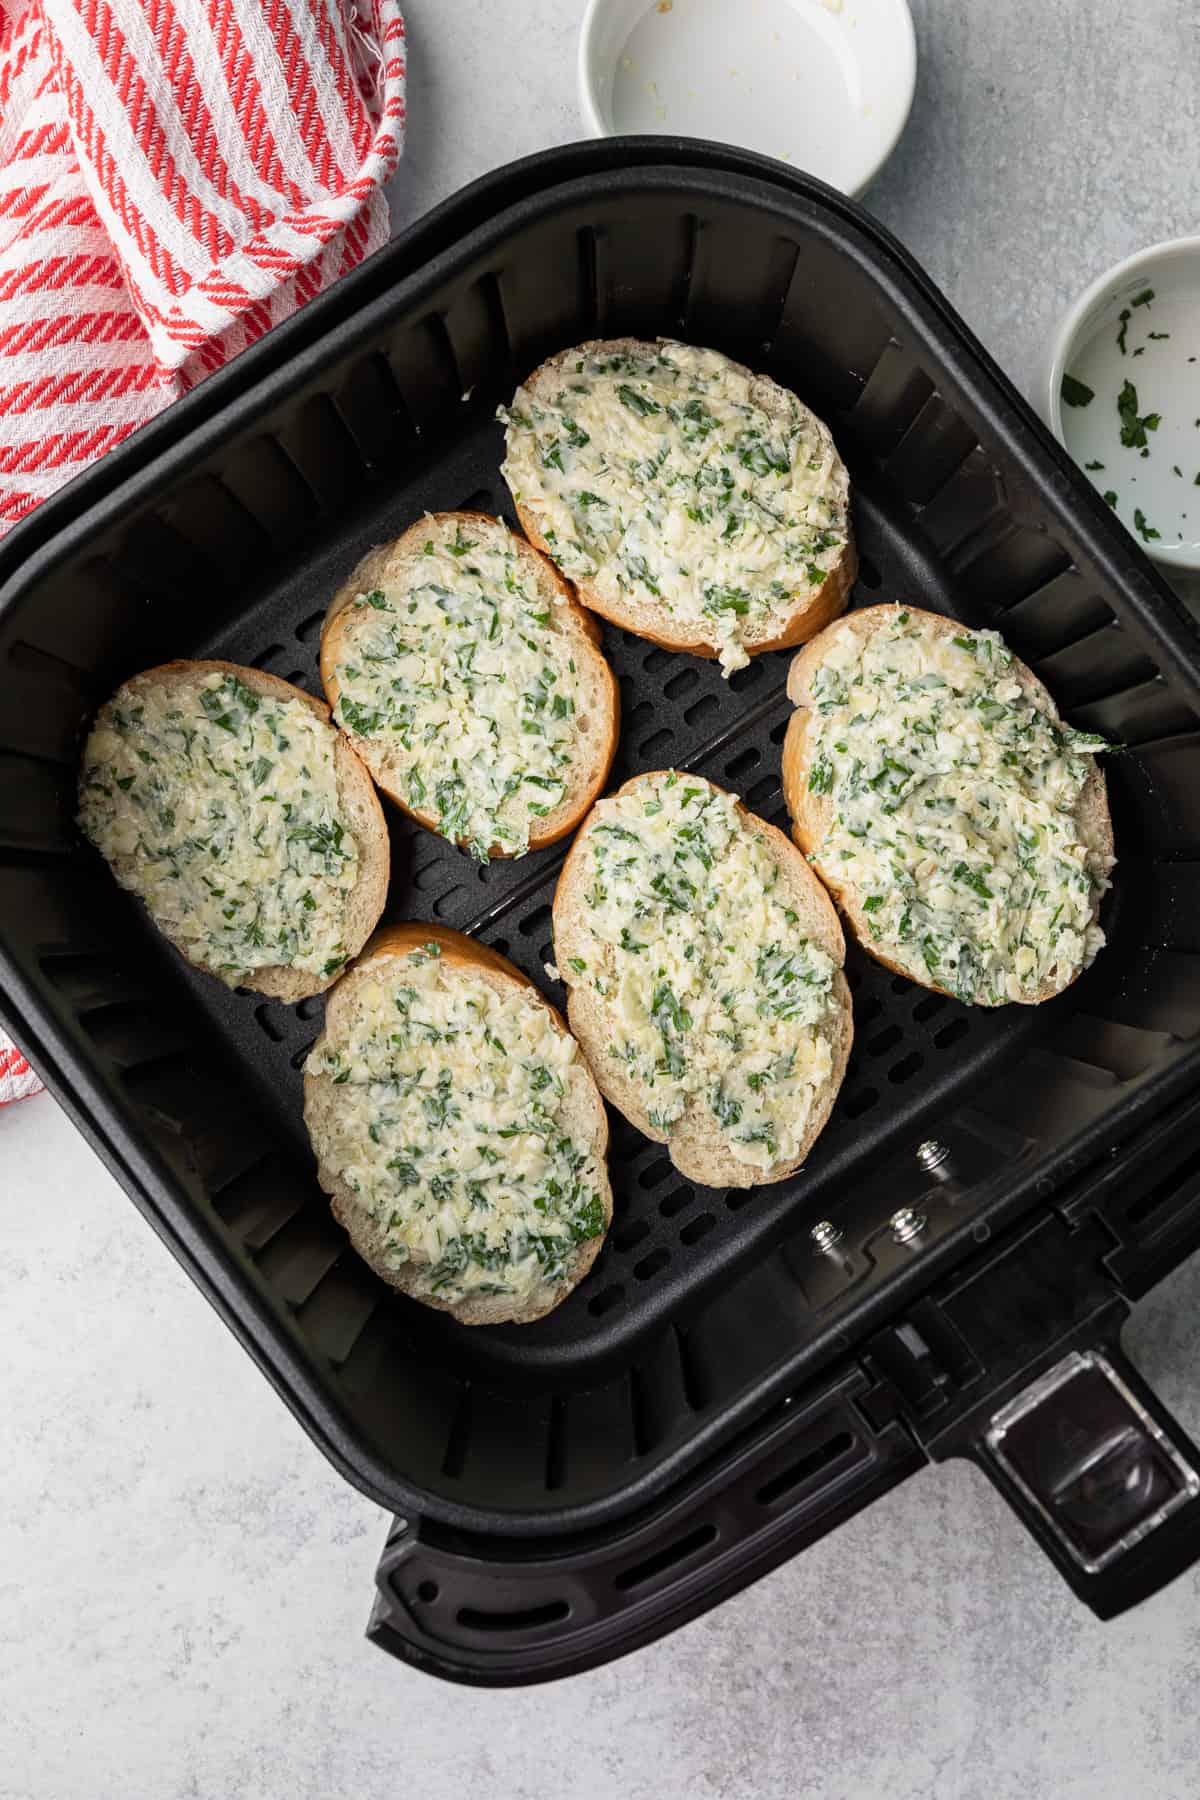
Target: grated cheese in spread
(953, 793)
(219, 808)
(675, 479)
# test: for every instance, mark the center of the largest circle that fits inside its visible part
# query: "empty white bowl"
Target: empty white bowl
(1132, 341)
(825, 85)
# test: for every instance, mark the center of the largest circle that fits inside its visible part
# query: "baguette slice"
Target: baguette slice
(385, 964)
(644, 531)
(358, 810)
(813, 812)
(697, 1143)
(588, 737)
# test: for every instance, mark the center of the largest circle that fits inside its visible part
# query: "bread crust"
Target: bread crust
(356, 797)
(458, 952)
(809, 615)
(693, 1150)
(812, 813)
(378, 568)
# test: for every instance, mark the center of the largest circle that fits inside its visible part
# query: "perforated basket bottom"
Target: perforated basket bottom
(669, 1237)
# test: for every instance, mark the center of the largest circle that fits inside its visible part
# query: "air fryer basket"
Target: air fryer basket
(224, 529)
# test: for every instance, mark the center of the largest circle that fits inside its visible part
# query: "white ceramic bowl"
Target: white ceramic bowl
(826, 85)
(1155, 477)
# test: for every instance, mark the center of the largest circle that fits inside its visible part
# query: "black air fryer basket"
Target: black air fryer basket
(741, 1370)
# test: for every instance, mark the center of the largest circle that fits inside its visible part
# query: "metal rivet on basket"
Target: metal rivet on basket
(931, 1154)
(907, 1224)
(826, 1234)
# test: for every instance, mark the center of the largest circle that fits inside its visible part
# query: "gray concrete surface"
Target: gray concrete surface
(184, 1582)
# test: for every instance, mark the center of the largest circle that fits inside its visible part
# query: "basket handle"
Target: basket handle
(1016, 1364)
(1101, 1473)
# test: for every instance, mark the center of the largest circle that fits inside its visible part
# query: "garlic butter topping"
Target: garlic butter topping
(688, 935)
(675, 479)
(466, 682)
(219, 807)
(953, 791)
(448, 1126)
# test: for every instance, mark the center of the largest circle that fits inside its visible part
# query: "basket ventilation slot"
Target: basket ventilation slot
(803, 1469)
(531, 1618)
(372, 411)
(669, 1557)
(1054, 616)
(895, 392)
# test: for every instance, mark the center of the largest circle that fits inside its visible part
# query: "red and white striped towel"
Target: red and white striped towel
(176, 176)
(17, 1079)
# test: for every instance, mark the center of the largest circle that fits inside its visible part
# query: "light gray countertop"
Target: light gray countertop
(184, 1581)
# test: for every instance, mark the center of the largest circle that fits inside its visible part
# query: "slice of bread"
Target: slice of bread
(704, 963)
(959, 784)
(210, 813)
(436, 1049)
(471, 683)
(690, 501)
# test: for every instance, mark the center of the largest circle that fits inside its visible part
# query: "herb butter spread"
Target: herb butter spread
(218, 806)
(448, 1124)
(670, 478)
(953, 790)
(687, 935)
(461, 675)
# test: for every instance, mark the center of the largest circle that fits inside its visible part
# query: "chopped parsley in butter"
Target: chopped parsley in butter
(447, 1124)
(717, 999)
(670, 477)
(953, 792)
(219, 808)
(465, 683)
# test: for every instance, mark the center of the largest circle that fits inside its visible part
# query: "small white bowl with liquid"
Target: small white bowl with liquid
(1132, 343)
(825, 85)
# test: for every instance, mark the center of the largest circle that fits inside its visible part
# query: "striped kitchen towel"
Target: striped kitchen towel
(176, 176)
(17, 1079)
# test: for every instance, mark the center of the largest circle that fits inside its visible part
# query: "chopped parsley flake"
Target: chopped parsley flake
(820, 778)
(1133, 428)
(1077, 393)
(638, 403)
